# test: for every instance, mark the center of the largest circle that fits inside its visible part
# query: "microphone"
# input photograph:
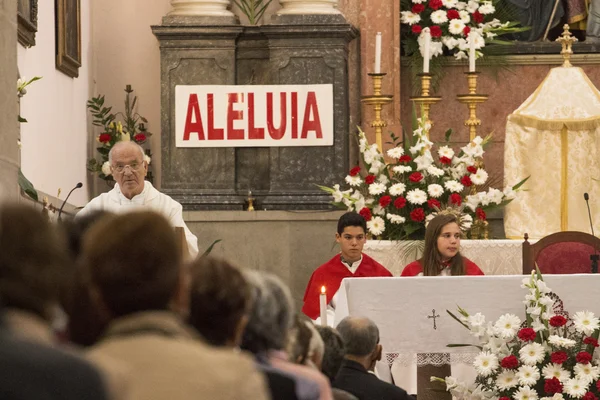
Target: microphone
(594, 257)
(79, 185)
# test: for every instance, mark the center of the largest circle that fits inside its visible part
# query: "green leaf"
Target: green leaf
(27, 186)
(448, 134)
(21, 119)
(210, 248)
(518, 185)
(457, 319)
(465, 345)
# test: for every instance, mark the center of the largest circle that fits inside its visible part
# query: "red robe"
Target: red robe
(415, 268)
(330, 275)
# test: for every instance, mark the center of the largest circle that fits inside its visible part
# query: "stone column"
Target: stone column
(9, 127)
(201, 8)
(308, 7)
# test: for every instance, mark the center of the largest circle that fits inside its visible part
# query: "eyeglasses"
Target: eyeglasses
(135, 166)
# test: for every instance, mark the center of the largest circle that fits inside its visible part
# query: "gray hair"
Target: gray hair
(334, 351)
(110, 153)
(271, 314)
(316, 345)
(359, 334)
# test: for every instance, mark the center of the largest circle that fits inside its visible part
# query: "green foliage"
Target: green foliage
(27, 186)
(253, 9)
(24, 183)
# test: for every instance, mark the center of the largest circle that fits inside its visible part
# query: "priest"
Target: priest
(350, 263)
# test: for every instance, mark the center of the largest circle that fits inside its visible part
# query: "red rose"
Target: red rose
(455, 199)
(400, 202)
(416, 29)
(552, 386)
(418, 8)
(465, 180)
(417, 215)
(510, 362)
(435, 4)
(590, 340)
(385, 201)
(480, 213)
(589, 396)
(558, 357)
(433, 203)
(583, 357)
(104, 138)
(370, 179)
(445, 160)
(354, 171)
(415, 177)
(466, 31)
(435, 31)
(527, 334)
(452, 14)
(366, 213)
(472, 169)
(477, 17)
(140, 137)
(405, 159)
(558, 320)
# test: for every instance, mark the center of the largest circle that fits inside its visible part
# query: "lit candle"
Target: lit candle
(426, 49)
(378, 53)
(323, 306)
(472, 40)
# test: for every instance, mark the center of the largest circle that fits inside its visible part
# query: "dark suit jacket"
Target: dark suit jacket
(281, 386)
(355, 379)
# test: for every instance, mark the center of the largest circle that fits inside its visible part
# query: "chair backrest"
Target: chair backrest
(560, 253)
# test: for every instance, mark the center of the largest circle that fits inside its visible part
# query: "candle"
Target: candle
(426, 50)
(378, 53)
(472, 40)
(323, 306)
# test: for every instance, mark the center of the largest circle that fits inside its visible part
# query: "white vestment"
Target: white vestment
(114, 201)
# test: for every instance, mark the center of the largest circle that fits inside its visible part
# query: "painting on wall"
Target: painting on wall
(27, 21)
(68, 37)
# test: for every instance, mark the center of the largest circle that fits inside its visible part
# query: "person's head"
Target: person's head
(334, 351)
(133, 263)
(442, 245)
(298, 344)
(128, 167)
(220, 300)
(361, 340)
(351, 235)
(271, 314)
(34, 261)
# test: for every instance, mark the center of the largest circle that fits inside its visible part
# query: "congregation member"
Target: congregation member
(351, 262)
(441, 256)
(361, 340)
(333, 355)
(134, 266)
(133, 192)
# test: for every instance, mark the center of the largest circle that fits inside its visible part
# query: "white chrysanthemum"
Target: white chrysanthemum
(555, 371)
(465, 17)
(479, 177)
(418, 1)
(556, 396)
(376, 226)
(453, 186)
(461, 5)
(525, 393)
(409, 17)
(439, 17)
(446, 151)
(147, 159)
(485, 363)
(528, 375)
(396, 219)
(472, 6)
(416, 196)
(424, 161)
(449, 3)
(586, 322)
(586, 372)
(435, 171)
(401, 169)
(435, 190)
(532, 353)
(507, 326)
(487, 8)
(376, 188)
(506, 380)
(397, 189)
(353, 180)
(106, 168)
(575, 388)
(456, 27)
(396, 152)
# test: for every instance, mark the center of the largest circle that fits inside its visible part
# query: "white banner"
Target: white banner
(253, 115)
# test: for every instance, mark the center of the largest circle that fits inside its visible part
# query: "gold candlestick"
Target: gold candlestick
(566, 40)
(250, 201)
(377, 100)
(425, 100)
(471, 100)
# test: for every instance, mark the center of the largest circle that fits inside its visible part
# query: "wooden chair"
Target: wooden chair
(560, 253)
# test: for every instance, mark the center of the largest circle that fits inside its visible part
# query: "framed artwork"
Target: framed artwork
(68, 37)
(27, 21)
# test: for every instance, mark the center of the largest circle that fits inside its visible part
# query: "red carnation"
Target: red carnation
(583, 357)
(598, 385)
(415, 177)
(472, 169)
(552, 386)
(435, 4)
(504, 398)
(418, 8)
(366, 213)
(400, 202)
(385, 201)
(480, 214)
(466, 31)
(558, 357)
(452, 14)
(510, 362)
(104, 138)
(370, 179)
(589, 396)
(416, 29)
(354, 171)
(591, 340)
(433, 203)
(405, 159)
(417, 215)
(526, 334)
(465, 180)
(140, 137)
(445, 160)
(477, 17)
(455, 199)
(557, 320)
(435, 31)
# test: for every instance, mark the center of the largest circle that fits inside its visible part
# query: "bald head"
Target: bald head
(359, 334)
(119, 146)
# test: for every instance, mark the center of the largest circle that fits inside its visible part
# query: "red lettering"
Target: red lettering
(253, 132)
(234, 115)
(294, 115)
(277, 133)
(193, 112)
(213, 133)
(315, 124)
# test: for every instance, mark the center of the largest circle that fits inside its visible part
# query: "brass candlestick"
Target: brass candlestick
(566, 40)
(425, 100)
(250, 201)
(471, 100)
(377, 100)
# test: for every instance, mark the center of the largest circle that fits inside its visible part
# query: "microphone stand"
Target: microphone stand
(67, 198)
(594, 258)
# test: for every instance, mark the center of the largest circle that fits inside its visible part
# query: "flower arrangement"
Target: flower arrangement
(397, 199)
(131, 128)
(549, 356)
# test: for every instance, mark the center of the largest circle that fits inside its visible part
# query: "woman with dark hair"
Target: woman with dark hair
(441, 256)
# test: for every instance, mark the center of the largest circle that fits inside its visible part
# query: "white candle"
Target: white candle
(323, 306)
(378, 53)
(472, 40)
(426, 50)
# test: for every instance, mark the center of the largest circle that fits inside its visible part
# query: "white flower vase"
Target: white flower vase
(206, 8)
(308, 7)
